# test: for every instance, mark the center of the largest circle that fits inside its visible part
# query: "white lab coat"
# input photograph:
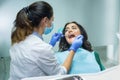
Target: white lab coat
(32, 58)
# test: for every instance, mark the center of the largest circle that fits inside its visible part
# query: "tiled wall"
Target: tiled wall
(103, 54)
(4, 68)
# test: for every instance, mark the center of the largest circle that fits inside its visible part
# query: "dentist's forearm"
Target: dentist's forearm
(68, 61)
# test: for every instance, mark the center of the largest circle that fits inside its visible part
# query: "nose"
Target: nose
(70, 30)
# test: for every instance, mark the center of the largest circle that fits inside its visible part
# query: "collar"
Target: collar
(37, 34)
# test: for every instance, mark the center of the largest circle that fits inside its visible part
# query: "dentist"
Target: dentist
(30, 55)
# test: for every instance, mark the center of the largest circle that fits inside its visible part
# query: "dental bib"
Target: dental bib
(83, 61)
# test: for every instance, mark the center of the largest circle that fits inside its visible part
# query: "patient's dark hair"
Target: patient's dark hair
(63, 45)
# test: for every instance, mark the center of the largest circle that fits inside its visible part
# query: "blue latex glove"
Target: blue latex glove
(77, 43)
(55, 38)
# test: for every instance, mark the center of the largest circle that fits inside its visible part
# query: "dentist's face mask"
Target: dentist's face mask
(47, 30)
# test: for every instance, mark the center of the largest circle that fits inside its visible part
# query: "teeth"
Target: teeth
(71, 36)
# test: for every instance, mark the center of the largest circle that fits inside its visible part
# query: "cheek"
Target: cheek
(77, 32)
(66, 34)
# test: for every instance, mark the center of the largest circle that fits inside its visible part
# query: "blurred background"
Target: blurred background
(100, 18)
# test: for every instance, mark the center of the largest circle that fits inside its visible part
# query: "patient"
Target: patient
(85, 59)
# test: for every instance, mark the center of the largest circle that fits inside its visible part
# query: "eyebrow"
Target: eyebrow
(70, 26)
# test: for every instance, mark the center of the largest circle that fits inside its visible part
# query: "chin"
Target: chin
(70, 42)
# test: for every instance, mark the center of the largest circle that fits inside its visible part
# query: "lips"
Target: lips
(71, 36)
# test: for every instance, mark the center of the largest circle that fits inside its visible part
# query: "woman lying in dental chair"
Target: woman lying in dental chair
(85, 59)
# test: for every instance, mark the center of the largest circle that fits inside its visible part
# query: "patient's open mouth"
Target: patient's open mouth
(71, 36)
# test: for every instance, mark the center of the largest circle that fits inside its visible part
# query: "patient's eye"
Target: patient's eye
(70, 28)
(73, 27)
(66, 30)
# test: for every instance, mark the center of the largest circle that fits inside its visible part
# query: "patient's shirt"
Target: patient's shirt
(83, 61)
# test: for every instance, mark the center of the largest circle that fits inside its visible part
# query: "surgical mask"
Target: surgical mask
(47, 30)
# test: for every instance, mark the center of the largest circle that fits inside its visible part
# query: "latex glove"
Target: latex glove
(55, 38)
(77, 43)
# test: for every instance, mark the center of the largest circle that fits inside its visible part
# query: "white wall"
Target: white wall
(98, 17)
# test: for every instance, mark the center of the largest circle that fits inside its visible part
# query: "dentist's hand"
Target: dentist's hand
(77, 43)
(55, 38)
